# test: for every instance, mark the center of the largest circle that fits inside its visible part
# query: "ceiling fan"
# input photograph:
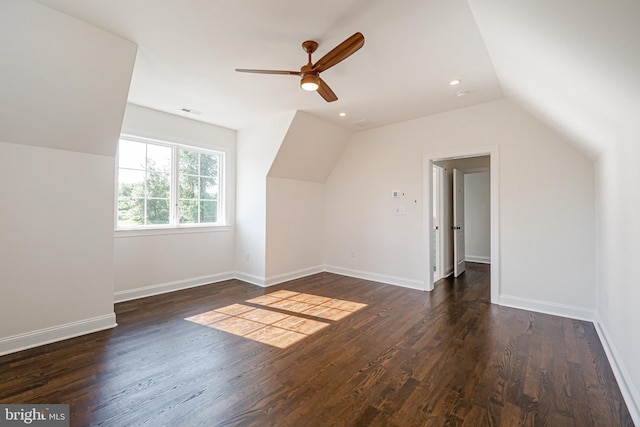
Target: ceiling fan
(310, 73)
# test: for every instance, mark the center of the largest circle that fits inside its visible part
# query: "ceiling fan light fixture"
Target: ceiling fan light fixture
(309, 82)
(310, 72)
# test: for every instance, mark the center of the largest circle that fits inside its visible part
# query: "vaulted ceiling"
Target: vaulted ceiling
(573, 64)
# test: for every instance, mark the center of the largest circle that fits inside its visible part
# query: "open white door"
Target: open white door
(436, 233)
(458, 223)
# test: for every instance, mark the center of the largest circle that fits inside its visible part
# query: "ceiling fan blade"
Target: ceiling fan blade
(245, 70)
(325, 91)
(340, 52)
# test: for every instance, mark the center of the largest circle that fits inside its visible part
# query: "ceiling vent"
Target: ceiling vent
(362, 123)
(190, 111)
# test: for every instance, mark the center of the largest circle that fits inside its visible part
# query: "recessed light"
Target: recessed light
(455, 82)
(342, 114)
(462, 93)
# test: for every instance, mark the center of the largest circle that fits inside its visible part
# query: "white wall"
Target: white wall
(257, 148)
(64, 92)
(618, 256)
(535, 207)
(295, 229)
(477, 217)
(56, 257)
(147, 264)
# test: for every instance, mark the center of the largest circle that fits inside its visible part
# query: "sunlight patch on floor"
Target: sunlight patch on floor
(273, 327)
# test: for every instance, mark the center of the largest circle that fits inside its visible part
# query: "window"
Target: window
(167, 185)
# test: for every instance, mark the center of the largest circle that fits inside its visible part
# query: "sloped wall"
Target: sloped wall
(309, 150)
(282, 165)
(295, 197)
(575, 65)
(64, 92)
(65, 83)
(257, 148)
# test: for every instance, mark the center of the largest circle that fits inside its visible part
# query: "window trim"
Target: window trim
(174, 227)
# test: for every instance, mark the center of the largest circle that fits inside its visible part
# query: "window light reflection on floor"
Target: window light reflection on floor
(276, 328)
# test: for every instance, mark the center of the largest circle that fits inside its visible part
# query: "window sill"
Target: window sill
(162, 231)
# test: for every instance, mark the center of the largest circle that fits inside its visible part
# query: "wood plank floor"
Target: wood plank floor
(407, 358)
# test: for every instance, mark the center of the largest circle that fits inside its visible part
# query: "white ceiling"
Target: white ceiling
(188, 50)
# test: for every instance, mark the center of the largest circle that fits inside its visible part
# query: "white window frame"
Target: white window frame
(174, 225)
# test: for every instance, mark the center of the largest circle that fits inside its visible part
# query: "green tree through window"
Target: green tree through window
(198, 187)
(146, 185)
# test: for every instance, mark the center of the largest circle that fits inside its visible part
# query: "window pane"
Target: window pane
(146, 195)
(208, 211)
(188, 210)
(208, 188)
(159, 158)
(158, 211)
(130, 212)
(132, 154)
(188, 162)
(208, 165)
(158, 184)
(131, 183)
(189, 187)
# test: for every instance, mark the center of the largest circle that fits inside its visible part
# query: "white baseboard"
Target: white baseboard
(629, 392)
(147, 291)
(572, 312)
(56, 333)
(250, 278)
(390, 280)
(479, 259)
(280, 278)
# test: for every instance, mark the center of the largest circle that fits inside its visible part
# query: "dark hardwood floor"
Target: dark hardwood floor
(409, 358)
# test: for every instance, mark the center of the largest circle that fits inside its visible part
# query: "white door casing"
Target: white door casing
(494, 152)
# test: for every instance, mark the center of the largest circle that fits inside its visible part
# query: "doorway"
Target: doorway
(435, 267)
